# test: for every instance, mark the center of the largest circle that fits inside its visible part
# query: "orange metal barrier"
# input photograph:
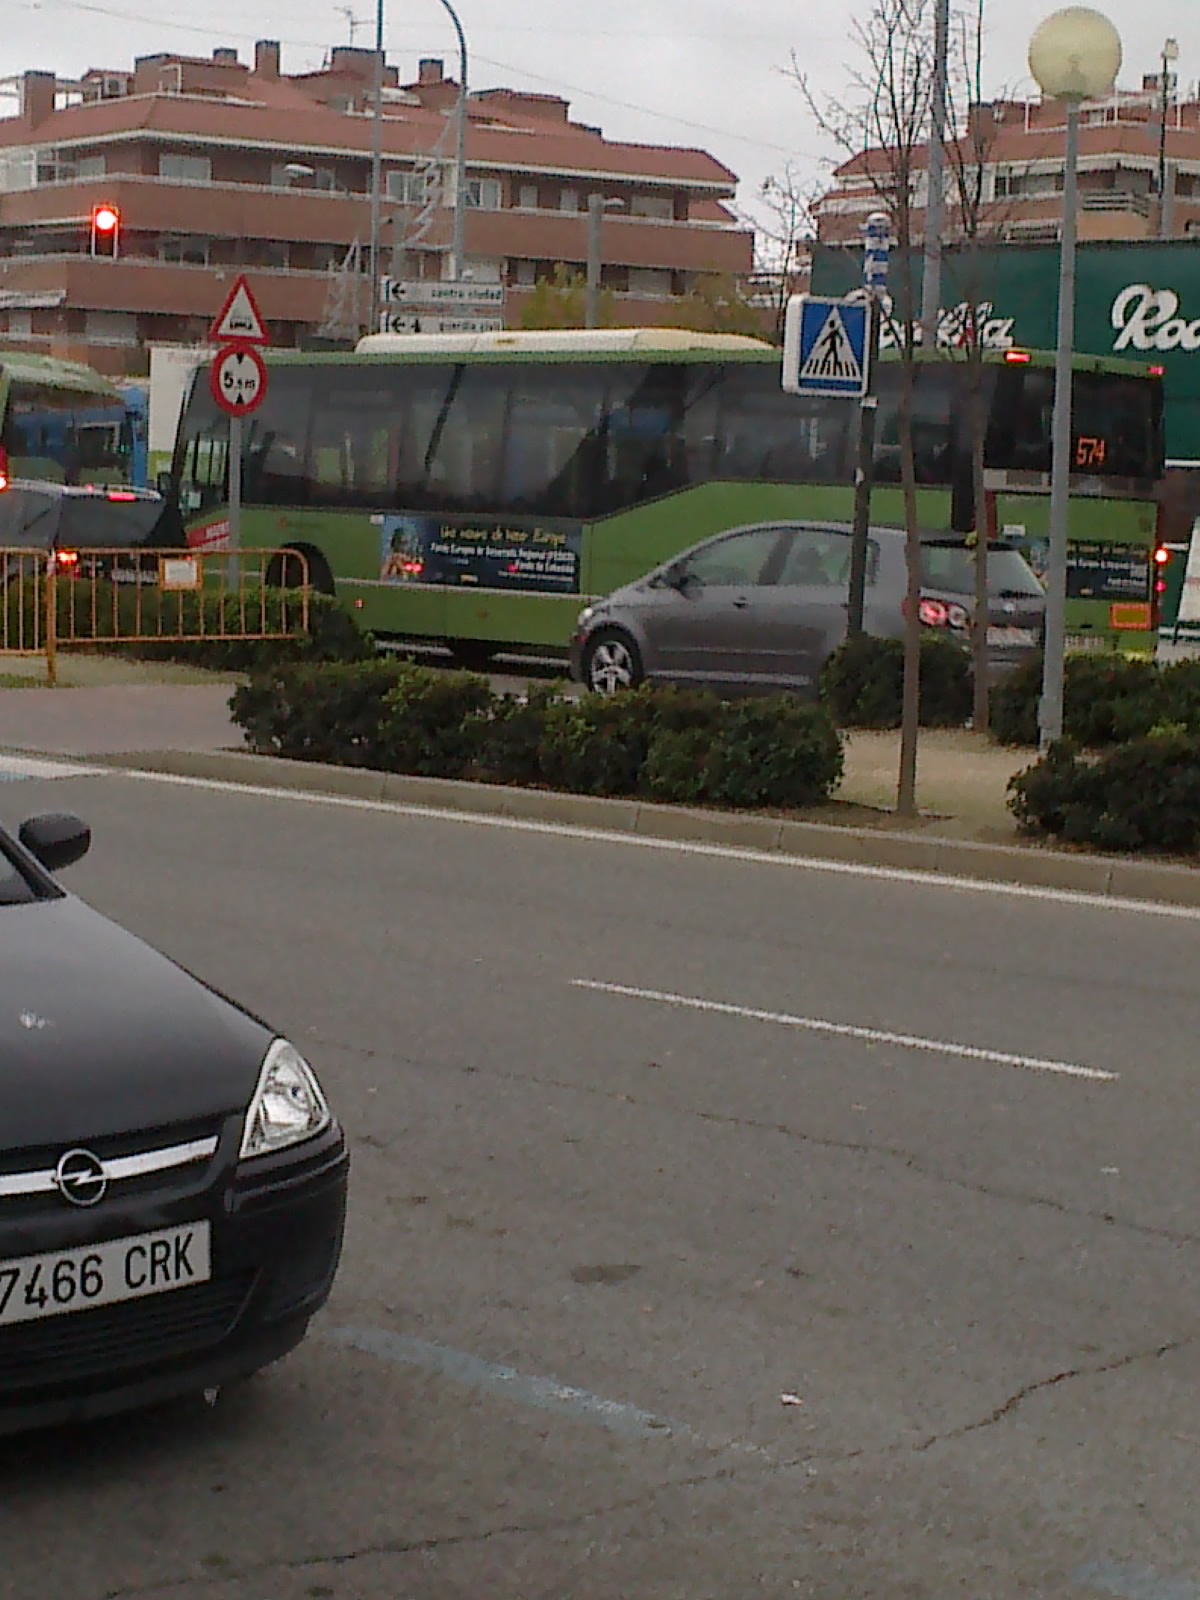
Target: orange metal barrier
(65, 599)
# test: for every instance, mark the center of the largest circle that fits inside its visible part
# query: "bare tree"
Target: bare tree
(884, 122)
(782, 236)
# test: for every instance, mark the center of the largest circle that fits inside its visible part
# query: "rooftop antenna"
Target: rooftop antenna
(352, 22)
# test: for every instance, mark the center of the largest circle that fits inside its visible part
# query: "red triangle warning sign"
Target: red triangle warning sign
(239, 320)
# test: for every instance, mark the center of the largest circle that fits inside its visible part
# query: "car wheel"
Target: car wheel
(611, 663)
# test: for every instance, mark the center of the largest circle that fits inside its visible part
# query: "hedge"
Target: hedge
(862, 683)
(1107, 699)
(666, 744)
(1143, 795)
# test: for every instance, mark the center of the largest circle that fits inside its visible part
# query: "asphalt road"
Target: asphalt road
(878, 1280)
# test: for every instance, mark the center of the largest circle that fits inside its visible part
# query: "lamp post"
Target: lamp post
(376, 169)
(458, 246)
(597, 206)
(1074, 55)
(935, 178)
(1170, 55)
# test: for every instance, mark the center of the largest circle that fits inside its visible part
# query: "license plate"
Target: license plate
(143, 1264)
(1012, 638)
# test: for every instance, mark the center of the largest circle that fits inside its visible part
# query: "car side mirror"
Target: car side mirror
(163, 484)
(676, 576)
(57, 839)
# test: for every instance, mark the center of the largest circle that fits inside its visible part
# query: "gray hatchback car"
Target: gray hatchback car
(764, 606)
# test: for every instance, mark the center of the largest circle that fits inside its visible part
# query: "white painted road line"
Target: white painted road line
(718, 852)
(17, 767)
(845, 1030)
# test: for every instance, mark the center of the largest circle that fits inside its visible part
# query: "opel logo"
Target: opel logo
(80, 1178)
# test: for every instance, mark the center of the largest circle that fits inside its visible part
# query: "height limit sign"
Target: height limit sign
(238, 379)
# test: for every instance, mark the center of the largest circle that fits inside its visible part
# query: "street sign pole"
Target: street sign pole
(238, 380)
(876, 245)
(235, 499)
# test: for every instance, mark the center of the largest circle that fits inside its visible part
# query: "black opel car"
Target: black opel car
(172, 1182)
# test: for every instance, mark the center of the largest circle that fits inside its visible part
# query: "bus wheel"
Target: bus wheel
(473, 655)
(284, 574)
(612, 662)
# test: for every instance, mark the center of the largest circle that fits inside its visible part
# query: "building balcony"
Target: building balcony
(294, 216)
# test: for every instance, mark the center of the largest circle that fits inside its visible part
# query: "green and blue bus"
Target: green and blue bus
(476, 490)
(61, 422)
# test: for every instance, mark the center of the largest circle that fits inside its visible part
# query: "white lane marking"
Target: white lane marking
(846, 1030)
(16, 767)
(720, 852)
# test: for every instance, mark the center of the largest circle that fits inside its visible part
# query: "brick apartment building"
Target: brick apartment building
(219, 167)
(1023, 145)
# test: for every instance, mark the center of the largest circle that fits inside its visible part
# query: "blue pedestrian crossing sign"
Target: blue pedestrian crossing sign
(825, 346)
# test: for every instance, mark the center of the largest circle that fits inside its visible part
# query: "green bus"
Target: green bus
(476, 490)
(61, 422)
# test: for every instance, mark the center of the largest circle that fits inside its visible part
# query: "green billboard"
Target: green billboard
(1139, 301)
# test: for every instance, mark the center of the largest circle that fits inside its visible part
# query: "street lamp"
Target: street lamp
(1170, 55)
(1074, 55)
(376, 170)
(597, 206)
(460, 152)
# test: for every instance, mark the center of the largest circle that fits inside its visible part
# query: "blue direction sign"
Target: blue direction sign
(825, 347)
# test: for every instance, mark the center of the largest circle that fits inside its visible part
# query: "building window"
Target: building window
(649, 280)
(185, 169)
(659, 206)
(477, 269)
(18, 170)
(568, 200)
(526, 273)
(527, 197)
(111, 327)
(53, 167)
(483, 193)
(186, 250)
(412, 188)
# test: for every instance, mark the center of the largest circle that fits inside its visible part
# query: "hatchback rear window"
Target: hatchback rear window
(951, 567)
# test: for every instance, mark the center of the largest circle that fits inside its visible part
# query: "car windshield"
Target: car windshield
(16, 889)
(952, 567)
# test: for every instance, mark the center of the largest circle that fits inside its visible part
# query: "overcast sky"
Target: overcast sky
(712, 73)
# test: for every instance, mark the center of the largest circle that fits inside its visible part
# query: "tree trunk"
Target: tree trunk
(906, 789)
(979, 630)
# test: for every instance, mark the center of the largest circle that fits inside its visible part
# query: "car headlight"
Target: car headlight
(586, 615)
(288, 1106)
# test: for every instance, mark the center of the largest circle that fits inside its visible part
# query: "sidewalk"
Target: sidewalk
(110, 719)
(961, 780)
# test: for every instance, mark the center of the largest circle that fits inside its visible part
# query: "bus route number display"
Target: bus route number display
(1090, 452)
(542, 558)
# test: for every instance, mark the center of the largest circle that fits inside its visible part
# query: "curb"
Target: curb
(1104, 876)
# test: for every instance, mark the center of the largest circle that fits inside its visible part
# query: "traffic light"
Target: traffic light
(106, 231)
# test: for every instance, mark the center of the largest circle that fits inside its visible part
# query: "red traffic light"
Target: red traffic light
(1162, 555)
(106, 230)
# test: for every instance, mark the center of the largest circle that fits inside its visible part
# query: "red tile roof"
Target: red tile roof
(282, 114)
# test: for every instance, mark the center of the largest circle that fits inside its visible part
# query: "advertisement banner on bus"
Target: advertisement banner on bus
(542, 557)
